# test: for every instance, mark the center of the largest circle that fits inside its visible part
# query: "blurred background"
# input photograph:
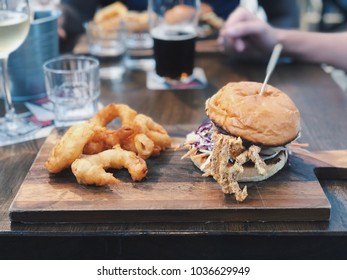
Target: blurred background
(325, 16)
(315, 15)
(319, 15)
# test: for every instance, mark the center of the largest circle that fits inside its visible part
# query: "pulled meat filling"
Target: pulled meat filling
(226, 149)
(225, 156)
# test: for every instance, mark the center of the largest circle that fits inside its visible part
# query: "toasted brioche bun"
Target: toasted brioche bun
(250, 173)
(179, 14)
(270, 119)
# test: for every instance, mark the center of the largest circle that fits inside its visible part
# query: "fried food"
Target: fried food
(144, 146)
(110, 137)
(110, 12)
(90, 169)
(113, 111)
(116, 14)
(92, 147)
(70, 147)
(153, 130)
(138, 132)
(106, 139)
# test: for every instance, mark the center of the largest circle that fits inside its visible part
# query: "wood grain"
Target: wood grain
(174, 191)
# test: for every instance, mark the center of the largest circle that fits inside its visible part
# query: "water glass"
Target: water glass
(139, 43)
(73, 86)
(173, 27)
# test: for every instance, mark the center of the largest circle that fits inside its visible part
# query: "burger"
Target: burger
(246, 137)
(179, 14)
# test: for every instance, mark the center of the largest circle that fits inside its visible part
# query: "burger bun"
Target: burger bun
(250, 173)
(179, 14)
(269, 119)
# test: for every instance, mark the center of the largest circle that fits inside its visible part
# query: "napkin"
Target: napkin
(154, 82)
(40, 113)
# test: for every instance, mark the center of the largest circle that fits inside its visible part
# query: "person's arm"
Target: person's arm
(74, 14)
(245, 34)
(329, 48)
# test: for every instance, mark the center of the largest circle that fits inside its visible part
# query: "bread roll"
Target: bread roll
(250, 173)
(270, 119)
(179, 14)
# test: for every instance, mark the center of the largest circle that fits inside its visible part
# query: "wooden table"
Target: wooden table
(324, 126)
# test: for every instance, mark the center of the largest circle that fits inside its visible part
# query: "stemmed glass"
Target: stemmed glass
(14, 28)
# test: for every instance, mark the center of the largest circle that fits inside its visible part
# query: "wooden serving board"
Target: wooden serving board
(174, 191)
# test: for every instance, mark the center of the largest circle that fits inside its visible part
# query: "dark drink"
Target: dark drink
(174, 54)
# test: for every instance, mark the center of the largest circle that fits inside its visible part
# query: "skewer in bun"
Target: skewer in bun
(270, 119)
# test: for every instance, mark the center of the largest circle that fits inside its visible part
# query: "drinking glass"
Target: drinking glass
(43, 5)
(73, 86)
(14, 27)
(173, 27)
(139, 42)
(107, 44)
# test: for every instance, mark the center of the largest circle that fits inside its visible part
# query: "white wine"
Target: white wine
(14, 27)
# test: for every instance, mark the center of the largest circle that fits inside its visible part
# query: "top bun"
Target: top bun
(179, 14)
(270, 119)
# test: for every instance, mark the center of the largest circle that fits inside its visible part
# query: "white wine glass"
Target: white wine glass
(14, 28)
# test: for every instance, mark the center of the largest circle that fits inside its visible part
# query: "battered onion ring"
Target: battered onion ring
(90, 169)
(153, 139)
(138, 133)
(106, 139)
(70, 146)
(153, 130)
(113, 111)
(143, 146)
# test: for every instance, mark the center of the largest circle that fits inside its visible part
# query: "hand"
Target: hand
(61, 30)
(246, 34)
(70, 27)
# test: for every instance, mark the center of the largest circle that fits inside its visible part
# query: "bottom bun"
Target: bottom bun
(250, 173)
